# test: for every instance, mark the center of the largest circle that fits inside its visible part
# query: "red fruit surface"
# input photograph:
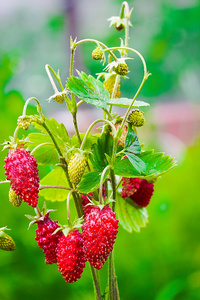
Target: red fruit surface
(46, 239)
(21, 170)
(99, 234)
(70, 256)
(139, 190)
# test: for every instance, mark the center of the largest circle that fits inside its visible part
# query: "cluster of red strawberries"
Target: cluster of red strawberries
(71, 251)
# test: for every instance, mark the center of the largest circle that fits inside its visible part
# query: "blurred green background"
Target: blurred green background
(162, 262)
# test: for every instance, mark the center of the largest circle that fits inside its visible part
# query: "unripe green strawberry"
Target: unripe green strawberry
(59, 98)
(97, 53)
(121, 69)
(6, 242)
(136, 118)
(76, 167)
(14, 199)
(24, 122)
(109, 85)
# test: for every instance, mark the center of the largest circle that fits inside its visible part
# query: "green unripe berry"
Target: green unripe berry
(97, 53)
(76, 167)
(136, 118)
(24, 122)
(14, 199)
(121, 69)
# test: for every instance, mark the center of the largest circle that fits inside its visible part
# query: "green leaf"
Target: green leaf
(132, 143)
(136, 162)
(45, 154)
(130, 216)
(156, 164)
(57, 129)
(103, 146)
(57, 178)
(126, 102)
(89, 89)
(89, 182)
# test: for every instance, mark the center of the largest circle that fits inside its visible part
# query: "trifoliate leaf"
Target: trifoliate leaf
(130, 216)
(89, 89)
(46, 154)
(126, 102)
(56, 177)
(103, 146)
(156, 164)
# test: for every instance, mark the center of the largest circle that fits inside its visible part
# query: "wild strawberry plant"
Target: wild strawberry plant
(109, 175)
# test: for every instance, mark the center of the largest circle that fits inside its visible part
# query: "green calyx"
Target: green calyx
(136, 118)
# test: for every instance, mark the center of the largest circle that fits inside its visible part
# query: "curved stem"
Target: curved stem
(97, 42)
(5, 181)
(15, 134)
(42, 187)
(80, 102)
(27, 102)
(38, 146)
(92, 125)
(101, 183)
(132, 50)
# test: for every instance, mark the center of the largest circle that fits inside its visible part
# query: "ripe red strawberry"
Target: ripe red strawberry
(99, 234)
(21, 170)
(46, 239)
(139, 190)
(76, 167)
(70, 256)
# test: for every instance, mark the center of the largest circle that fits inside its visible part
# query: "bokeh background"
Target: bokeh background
(162, 262)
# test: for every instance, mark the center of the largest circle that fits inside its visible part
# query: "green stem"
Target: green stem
(53, 139)
(27, 102)
(68, 210)
(76, 127)
(5, 181)
(90, 128)
(97, 42)
(48, 69)
(113, 285)
(101, 183)
(15, 134)
(112, 175)
(96, 282)
(114, 91)
(42, 187)
(41, 145)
